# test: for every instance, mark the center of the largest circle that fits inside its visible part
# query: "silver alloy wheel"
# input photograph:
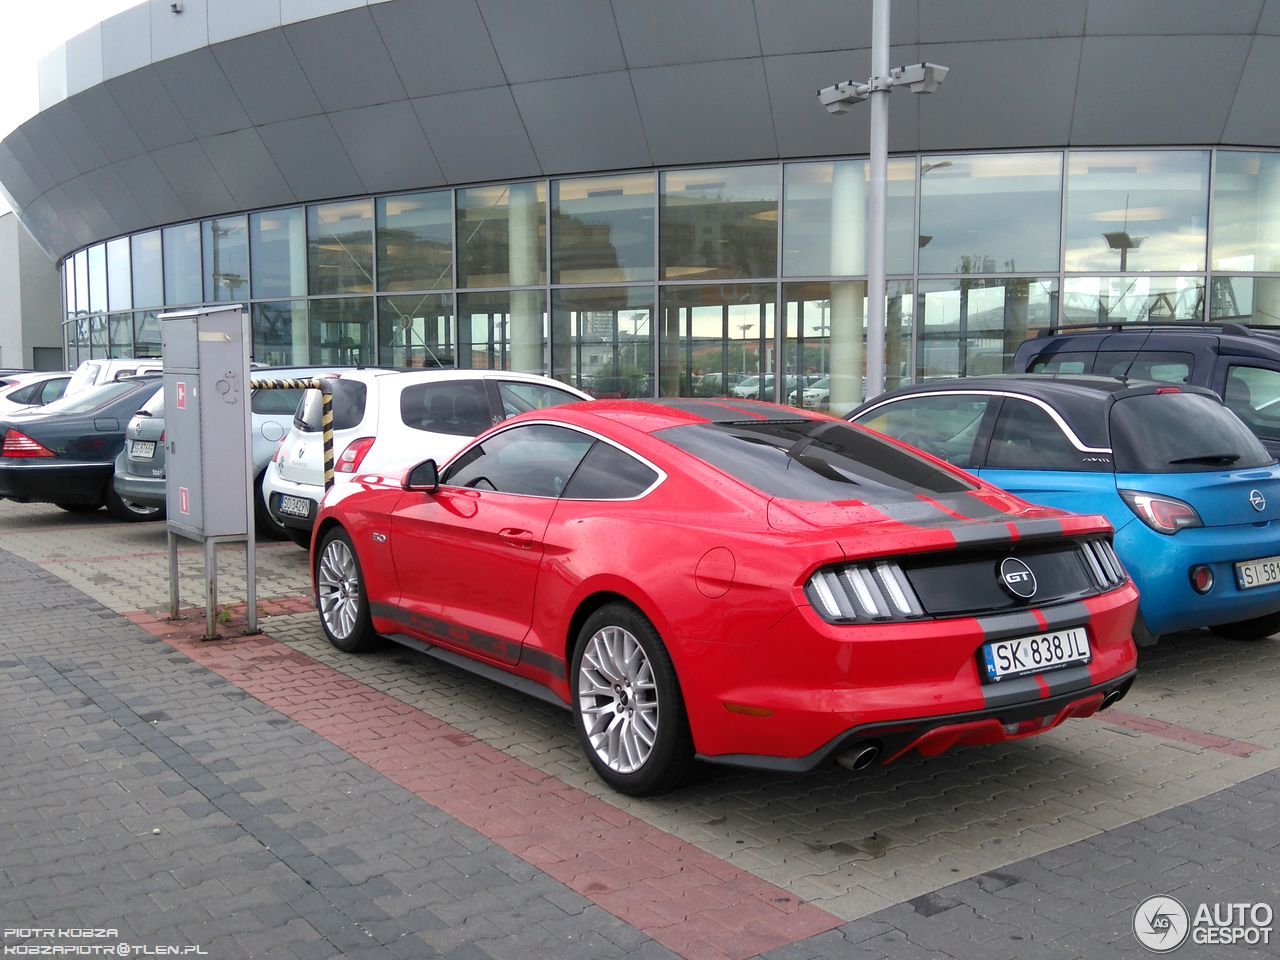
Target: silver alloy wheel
(339, 587)
(618, 699)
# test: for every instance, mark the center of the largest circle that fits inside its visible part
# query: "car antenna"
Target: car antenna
(1124, 377)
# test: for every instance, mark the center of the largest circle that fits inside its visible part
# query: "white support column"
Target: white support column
(523, 245)
(848, 257)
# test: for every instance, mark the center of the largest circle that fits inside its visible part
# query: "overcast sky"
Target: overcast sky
(31, 29)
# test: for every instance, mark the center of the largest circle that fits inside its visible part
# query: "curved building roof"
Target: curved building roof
(154, 116)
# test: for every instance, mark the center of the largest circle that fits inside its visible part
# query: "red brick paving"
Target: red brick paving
(1172, 731)
(686, 899)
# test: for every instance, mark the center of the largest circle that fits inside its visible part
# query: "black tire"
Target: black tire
(669, 762)
(340, 594)
(79, 507)
(266, 526)
(1259, 628)
(301, 537)
(129, 512)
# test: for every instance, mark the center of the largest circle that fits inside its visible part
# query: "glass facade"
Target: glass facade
(746, 279)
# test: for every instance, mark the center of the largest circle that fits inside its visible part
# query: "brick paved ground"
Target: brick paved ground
(314, 804)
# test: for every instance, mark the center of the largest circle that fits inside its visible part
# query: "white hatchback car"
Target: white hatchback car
(386, 420)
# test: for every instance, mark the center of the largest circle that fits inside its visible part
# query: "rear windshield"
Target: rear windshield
(1180, 433)
(816, 460)
(348, 407)
(94, 397)
(275, 402)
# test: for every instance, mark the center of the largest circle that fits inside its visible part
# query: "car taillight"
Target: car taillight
(349, 462)
(18, 444)
(1162, 514)
(863, 593)
(1102, 563)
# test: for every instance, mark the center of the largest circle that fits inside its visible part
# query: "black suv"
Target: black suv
(1241, 363)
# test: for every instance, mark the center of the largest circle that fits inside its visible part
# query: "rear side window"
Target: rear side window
(1025, 437)
(53, 390)
(1066, 362)
(275, 402)
(457, 407)
(535, 460)
(348, 407)
(25, 394)
(1253, 395)
(1181, 433)
(946, 427)
(607, 473)
(1164, 366)
(518, 397)
(818, 460)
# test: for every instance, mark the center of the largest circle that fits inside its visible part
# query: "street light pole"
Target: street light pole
(918, 78)
(878, 198)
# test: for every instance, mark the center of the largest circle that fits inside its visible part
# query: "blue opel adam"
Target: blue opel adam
(1193, 495)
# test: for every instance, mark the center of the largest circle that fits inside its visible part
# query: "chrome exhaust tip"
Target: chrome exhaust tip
(1115, 696)
(859, 757)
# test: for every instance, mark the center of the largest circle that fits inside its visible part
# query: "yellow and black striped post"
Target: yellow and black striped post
(325, 386)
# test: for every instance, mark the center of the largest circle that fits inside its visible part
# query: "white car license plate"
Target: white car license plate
(1257, 573)
(1044, 651)
(142, 449)
(294, 506)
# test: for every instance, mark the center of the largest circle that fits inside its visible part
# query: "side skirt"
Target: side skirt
(520, 684)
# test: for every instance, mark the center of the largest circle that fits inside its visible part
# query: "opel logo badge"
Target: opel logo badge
(1017, 578)
(1257, 500)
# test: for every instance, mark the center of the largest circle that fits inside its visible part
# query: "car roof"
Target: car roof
(1081, 400)
(1235, 339)
(649, 415)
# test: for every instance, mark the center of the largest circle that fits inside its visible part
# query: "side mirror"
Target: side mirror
(425, 477)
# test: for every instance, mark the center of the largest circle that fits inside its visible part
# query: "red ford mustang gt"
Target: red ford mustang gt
(733, 581)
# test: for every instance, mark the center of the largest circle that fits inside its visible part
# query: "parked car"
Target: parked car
(1240, 363)
(385, 420)
(764, 587)
(140, 467)
(817, 395)
(20, 392)
(64, 452)
(90, 373)
(1193, 496)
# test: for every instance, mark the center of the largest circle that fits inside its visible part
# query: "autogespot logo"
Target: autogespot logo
(1161, 924)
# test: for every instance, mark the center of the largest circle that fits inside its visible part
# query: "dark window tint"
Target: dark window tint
(25, 394)
(1066, 362)
(519, 397)
(816, 460)
(155, 406)
(348, 407)
(1181, 433)
(1165, 366)
(943, 426)
(457, 407)
(95, 397)
(1027, 438)
(275, 402)
(607, 473)
(536, 460)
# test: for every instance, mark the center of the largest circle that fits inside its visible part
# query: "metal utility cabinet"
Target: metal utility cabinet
(208, 454)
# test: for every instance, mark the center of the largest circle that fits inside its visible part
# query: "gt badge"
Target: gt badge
(379, 538)
(1017, 578)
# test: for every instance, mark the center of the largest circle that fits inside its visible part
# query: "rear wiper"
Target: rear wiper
(1209, 458)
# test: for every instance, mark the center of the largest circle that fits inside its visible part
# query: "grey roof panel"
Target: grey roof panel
(543, 39)
(345, 60)
(1160, 17)
(497, 149)
(1253, 117)
(466, 62)
(124, 209)
(193, 178)
(229, 19)
(1140, 90)
(148, 185)
(246, 168)
(84, 60)
(51, 224)
(806, 26)
(97, 221)
(310, 158)
(583, 123)
(1269, 20)
(146, 104)
(663, 32)
(202, 94)
(48, 148)
(15, 179)
(26, 155)
(706, 111)
(98, 111)
(176, 33)
(266, 77)
(945, 21)
(78, 143)
(387, 147)
(979, 107)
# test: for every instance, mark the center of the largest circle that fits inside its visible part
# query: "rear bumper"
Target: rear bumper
(145, 491)
(55, 481)
(932, 736)
(275, 486)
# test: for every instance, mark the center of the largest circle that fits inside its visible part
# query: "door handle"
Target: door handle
(517, 537)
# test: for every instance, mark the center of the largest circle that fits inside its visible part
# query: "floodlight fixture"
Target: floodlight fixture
(920, 77)
(838, 97)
